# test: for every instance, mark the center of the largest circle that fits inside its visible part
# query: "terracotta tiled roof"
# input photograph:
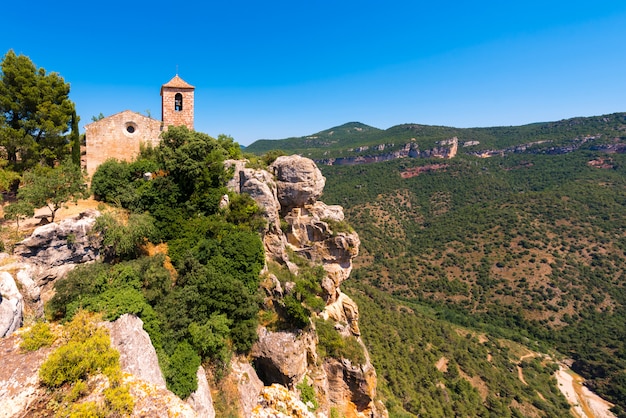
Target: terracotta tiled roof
(178, 83)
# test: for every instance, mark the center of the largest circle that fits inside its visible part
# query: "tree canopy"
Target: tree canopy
(35, 113)
(53, 187)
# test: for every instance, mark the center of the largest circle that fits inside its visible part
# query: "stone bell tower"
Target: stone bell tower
(177, 103)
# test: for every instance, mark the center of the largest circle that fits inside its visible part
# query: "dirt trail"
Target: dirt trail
(520, 371)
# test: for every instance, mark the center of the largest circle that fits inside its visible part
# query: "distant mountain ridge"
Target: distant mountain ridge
(356, 139)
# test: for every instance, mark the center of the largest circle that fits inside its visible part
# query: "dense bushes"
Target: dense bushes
(209, 305)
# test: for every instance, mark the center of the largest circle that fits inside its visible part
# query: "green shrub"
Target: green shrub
(181, 372)
(210, 338)
(87, 351)
(333, 344)
(338, 227)
(307, 394)
(295, 312)
(118, 401)
(110, 179)
(124, 240)
(39, 335)
(84, 410)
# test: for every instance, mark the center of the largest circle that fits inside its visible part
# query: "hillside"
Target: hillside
(527, 245)
(356, 139)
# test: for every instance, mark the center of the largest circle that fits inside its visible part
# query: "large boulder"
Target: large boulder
(352, 388)
(259, 184)
(248, 383)
(298, 181)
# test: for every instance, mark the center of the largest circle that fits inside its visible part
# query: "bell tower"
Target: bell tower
(177, 103)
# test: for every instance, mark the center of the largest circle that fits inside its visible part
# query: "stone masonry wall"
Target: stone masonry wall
(119, 136)
(171, 116)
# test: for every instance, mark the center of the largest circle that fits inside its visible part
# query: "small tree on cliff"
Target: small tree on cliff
(53, 187)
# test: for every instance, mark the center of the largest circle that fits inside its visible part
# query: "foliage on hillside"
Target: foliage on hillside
(526, 246)
(208, 306)
(428, 367)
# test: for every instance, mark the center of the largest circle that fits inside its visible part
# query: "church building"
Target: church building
(120, 135)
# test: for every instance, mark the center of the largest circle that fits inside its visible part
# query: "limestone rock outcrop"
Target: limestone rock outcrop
(137, 355)
(354, 382)
(139, 358)
(19, 377)
(38, 261)
(200, 400)
(280, 357)
(56, 248)
(248, 383)
(299, 223)
(298, 181)
(276, 401)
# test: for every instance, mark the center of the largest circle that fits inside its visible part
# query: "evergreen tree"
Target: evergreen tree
(35, 113)
(75, 141)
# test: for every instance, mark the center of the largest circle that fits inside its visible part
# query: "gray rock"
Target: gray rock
(137, 355)
(201, 400)
(249, 385)
(298, 181)
(11, 305)
(279, 357)
(54, 249)
(260, 185)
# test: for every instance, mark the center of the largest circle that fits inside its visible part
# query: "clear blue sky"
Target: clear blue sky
(274, 69)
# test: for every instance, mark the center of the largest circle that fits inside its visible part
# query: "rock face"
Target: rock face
(354, 382)
(200, 400)
(47, 255)
(19, 377)
(280, 357)
(56, 248)
(316, 232)
(137, 355)
(11, 302)
(248, 384)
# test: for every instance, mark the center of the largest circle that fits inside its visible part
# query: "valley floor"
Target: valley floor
(585, 403)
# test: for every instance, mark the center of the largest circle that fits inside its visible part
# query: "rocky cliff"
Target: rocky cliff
(300, 224)
(286, 374)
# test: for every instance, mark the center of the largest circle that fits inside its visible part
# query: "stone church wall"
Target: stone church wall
(119, 136)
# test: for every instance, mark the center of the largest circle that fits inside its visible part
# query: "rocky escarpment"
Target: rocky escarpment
(299, 223)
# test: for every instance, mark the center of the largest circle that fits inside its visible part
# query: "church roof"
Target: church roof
(178, 83)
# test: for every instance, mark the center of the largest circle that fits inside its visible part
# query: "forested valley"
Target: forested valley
(526, 247)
